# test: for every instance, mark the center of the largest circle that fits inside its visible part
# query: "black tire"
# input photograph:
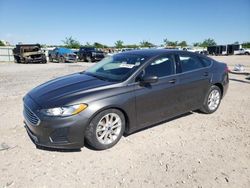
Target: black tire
(61, 60)
(88, 59)
(247, 53)
(50, 59)
(17, 59)
(205, 107)
(91, 135)
(44, 61)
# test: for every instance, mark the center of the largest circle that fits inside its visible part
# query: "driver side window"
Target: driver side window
(160, 67)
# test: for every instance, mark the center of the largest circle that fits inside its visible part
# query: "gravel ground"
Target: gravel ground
(196, 150)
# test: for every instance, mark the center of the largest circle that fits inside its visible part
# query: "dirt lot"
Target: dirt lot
(196, 150)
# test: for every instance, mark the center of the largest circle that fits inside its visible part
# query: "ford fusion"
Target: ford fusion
(120, 95)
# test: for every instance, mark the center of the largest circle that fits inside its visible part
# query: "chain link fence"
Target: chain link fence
(6, 54)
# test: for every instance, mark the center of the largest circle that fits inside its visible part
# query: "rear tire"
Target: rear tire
(50, 59)
(17, 59)
(105, 129)
(212, 100)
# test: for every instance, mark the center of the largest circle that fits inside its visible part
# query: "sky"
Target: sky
(132, 21)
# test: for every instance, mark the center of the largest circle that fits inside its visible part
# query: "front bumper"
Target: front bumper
(97, 58)
(33, 60)
(56, 132)
(70, 59)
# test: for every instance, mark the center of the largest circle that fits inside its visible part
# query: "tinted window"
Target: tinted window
(206, 62)
(160, 67)
(87, 49)
(189, 63)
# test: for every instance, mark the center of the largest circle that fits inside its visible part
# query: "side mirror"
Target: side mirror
(149, 79)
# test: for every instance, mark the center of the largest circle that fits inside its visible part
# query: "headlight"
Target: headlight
(65, 111)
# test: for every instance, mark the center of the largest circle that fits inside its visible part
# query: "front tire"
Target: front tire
(105, 129)
(61, 60)
(88, 59)
(212, 100)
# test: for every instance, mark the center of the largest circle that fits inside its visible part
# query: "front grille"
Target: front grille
(59, 135)
(100, 55)
(72, 56)
(36, 56)
(30, 116)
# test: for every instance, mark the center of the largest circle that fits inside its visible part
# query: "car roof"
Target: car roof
(150, 52)
(64, 50)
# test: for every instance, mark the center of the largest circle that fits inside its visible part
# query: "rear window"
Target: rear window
(190, 62)
(87, 49)
(206, 62)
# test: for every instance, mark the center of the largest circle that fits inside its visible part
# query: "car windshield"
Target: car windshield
(31, 49)
(88, 49)
(116, 68)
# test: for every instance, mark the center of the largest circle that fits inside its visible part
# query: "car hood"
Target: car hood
(59, 91)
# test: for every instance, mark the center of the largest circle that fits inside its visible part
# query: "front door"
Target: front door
(157, 101)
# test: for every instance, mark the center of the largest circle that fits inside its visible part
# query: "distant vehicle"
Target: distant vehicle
(196, 50)
(242, 51)
(90, 54)
(62, 55)
(188, 49)
(126, 49)
(217, 50)
(122, 94)
(29, 53)
(229, 49)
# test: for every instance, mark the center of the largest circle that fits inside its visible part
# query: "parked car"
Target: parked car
(62, 55)
(122, 94)
(29, 53)
(90, 54)
(242, 51)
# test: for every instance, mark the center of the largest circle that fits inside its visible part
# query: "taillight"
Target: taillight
(227, 69)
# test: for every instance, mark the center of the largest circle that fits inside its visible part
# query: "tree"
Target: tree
(236, 43)
(246, 45)
(99, 45)
(166, 41)
(208, 42)
(146, 44)
(173, 43)
(69, 42)
(119, 44)
(131, 46)
(1, 43)
(87, 44)
(196, 44)
(182, 44)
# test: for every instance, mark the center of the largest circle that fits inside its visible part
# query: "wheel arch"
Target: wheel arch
(127, 119)
(219, 85)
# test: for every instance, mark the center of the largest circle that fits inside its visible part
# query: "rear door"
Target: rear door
(194, 80)
(157, 101)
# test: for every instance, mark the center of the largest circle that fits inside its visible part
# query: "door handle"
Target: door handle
(172, 81)
(205, 74)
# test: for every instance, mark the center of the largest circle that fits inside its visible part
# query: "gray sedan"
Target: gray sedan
(122, 94)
